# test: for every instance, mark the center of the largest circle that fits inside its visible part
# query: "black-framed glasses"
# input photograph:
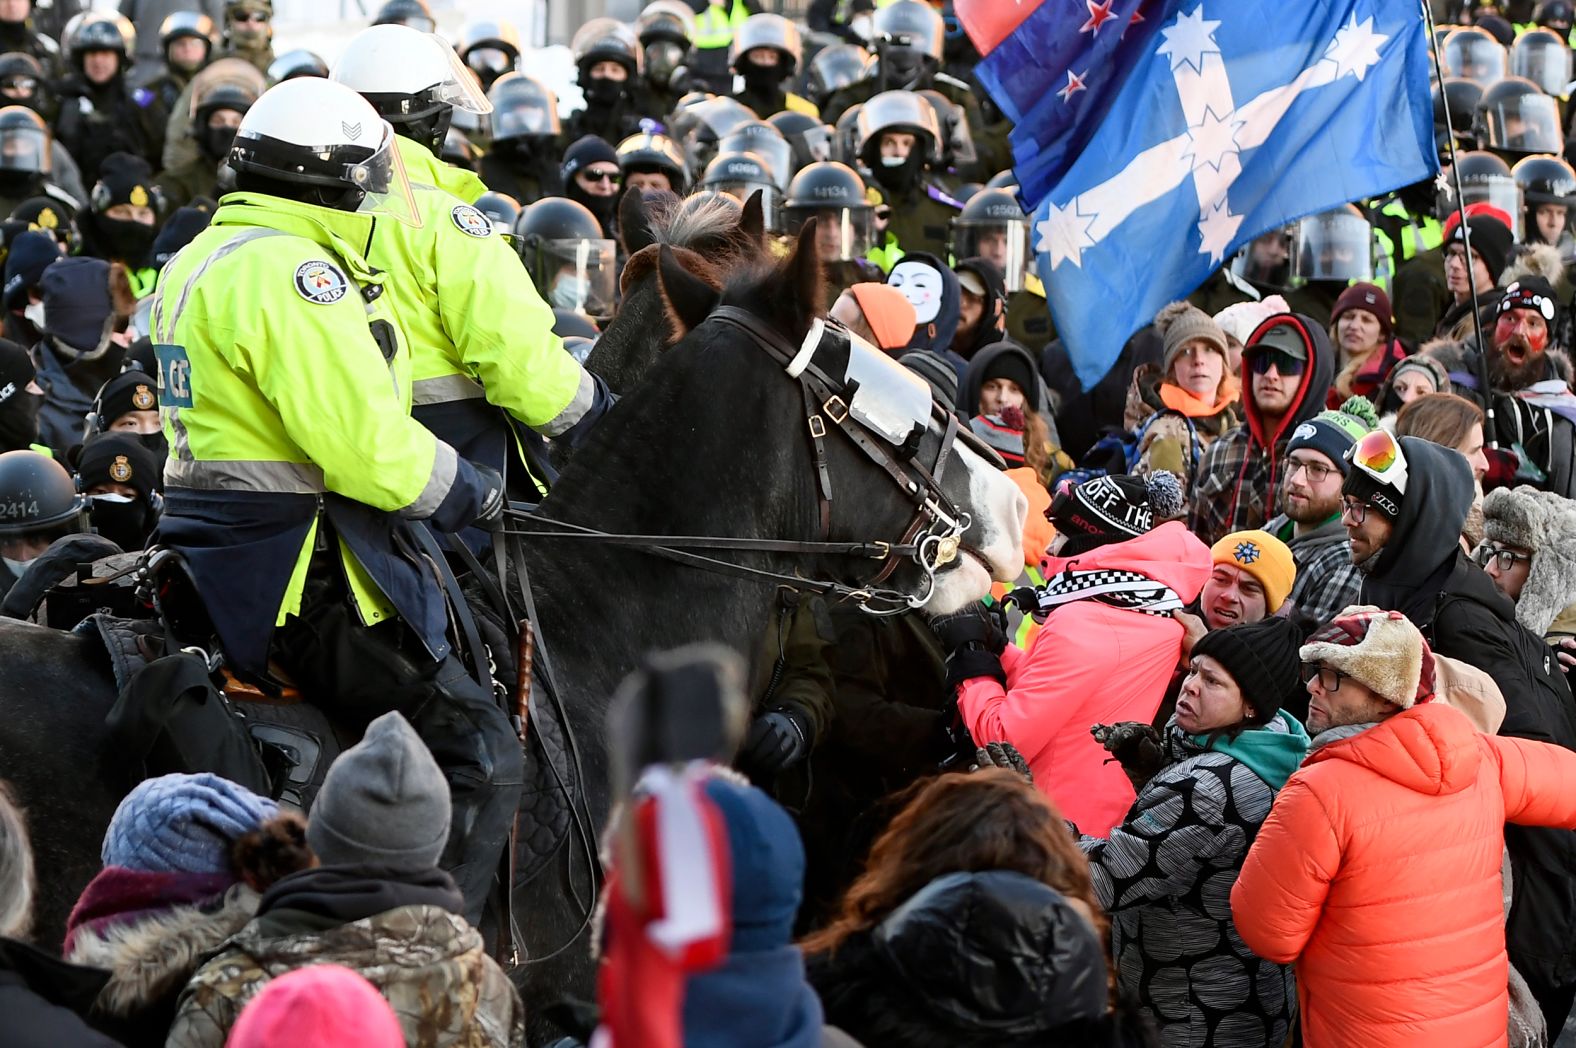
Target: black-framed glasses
(1358, 511)
(1329, 680)
(1506, 556)
(601, 176)
(1285, 363)
(1317, 471)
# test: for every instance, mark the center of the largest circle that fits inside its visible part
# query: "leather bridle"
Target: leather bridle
(931, 540)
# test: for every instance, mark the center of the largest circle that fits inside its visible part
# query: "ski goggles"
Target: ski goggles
(1379, 455)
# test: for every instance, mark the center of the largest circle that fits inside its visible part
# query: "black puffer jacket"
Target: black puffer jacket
(41, 998)
(991, 959)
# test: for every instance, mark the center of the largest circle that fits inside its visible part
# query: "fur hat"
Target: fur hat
(1545, 524)
(1380, 649)
(1178, 324)
(1238, 321)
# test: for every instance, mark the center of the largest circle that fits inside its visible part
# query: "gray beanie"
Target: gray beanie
(1180, 323)
(384, 802)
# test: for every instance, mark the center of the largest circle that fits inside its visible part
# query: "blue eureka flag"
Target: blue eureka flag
(1238, 117)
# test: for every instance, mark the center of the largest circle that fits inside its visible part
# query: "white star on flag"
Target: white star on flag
(1217, 226)
(1065, 233)
(1189, 39)
(1075, 83)
(1355, 48)
(1214, 139)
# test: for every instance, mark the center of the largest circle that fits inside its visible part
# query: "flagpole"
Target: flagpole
(1466, 233)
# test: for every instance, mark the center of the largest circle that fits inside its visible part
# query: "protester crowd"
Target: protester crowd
(1271, 742)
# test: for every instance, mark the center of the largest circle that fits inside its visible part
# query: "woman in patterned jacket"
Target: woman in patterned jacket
(1165, 874)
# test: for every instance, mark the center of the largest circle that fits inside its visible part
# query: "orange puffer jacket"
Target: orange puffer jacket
(1378, 873)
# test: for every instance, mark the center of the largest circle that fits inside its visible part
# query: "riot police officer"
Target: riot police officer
(219, 109)
(478, 333)
(414, 14)
(664, 29)
(1472, 53)
(1329, 251)
(501, 209)
(1540, 55)
(39, 503)
(524, 158)
(186, 40)
(809, 140)
(992, 226)
(489, 48)
(908, 42)
(1514, 118)
(834, 195)
(99, 113)
(572, 264)
(1548, 186)
(651, 161)
(833, 69)
(765, 56)
(295, 487)
(249, 32)
(296, 62)
(741, 176)
(898, 142)
(26, 161)
(607, 64)
(24, 37)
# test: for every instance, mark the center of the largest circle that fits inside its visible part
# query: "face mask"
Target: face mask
(570, 292)
(35, 314)
(216, 142)
(600, 91)
(250, 35)
(125, 240)
(156, 443)
(893, 161)
(921, 285)
(16, 181)
(19, 421)
(662, 59)
(122, 520)
(600, 206)
(16, 567)
(761, 78)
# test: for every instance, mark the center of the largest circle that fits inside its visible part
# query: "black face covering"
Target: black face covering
(19, 421)
(602, 92)
(216, 142)
(902, 178)
(125, 240)
(16, 183)
(126, 524)
(601, 206)
(157, 443)
(761, 80)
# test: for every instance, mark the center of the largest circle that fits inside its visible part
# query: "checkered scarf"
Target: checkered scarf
(1127, 590)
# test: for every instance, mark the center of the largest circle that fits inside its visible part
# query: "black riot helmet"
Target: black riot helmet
(993, 226)
(413, 13)
(664, 29)
(1514, 118)
(770, 31)
(523, 108)
(605, 40)
(765, 141)
(98, 31)
(21, 72)
(834, 68)
(184, 25)
(37, 495)
(834, 195)
(24, 142)
(908, 37)
(1475, 54)
(1544, 57)
(490, 47)
(1485, 179)
(216, 142)
(501, 209)
(1545, 181)
(1458, 98)
(297, 63)
(808, 138)
(741, 176)
(570, 260)
(1558, 15)
(650, 151)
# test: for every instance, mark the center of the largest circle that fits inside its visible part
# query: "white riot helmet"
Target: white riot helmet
(413, 79)
(322, 137)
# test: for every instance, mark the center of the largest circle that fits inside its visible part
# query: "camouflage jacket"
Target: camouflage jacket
(427, 962)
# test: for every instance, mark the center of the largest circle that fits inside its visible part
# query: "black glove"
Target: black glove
(973, 627)
(968, 663)
(494, 502)
(1002, 755)
(1135, 746)
(776, 740)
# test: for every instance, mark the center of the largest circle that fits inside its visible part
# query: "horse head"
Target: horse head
(874, 459)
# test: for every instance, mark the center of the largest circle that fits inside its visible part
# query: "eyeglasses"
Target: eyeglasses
(1317, 471)
(1284, 363)
(601, 176)
(1358, 511)
(1379, 455)
(1329, 680)
(1508, 558)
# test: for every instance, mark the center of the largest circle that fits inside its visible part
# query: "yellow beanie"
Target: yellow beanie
(1263, 556)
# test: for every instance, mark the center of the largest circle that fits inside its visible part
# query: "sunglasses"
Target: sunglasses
(249, 16)
(1379, 455)
(1489, 551)
(1284, 363)
(1329, 680)
(601, 176)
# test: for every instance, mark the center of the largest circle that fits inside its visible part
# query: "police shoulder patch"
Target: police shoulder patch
(471, 221)
(320, 282)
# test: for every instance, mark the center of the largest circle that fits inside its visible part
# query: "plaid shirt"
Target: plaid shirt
(1222, 504)
(1327, 580)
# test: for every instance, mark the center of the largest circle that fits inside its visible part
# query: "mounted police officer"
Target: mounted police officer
(481, 339)
(296, 474)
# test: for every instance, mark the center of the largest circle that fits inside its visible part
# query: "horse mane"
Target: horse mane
(786, 293)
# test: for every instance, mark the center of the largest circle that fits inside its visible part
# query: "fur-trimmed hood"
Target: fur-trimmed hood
(1544, 523)
(153, 958)
(1460, 359)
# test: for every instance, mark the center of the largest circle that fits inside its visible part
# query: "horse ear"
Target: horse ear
(804, 268)
(752, 223)
(689, 299)
(634, 222)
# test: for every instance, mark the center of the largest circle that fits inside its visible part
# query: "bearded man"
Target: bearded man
(1532, 436)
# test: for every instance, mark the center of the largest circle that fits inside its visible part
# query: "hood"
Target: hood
(974, 375)
(763, 992)
(1430, 749)
(935, 294)
(1427, 534)
(1271, 752)
(1316, 378)
(1170, 554)
(154, 957)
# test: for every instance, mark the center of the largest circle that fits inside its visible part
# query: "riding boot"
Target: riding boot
(481, 758)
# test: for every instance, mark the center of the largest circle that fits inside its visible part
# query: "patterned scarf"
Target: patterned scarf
(1127, 590)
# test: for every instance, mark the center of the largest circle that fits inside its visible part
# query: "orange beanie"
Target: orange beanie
(888, 312)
